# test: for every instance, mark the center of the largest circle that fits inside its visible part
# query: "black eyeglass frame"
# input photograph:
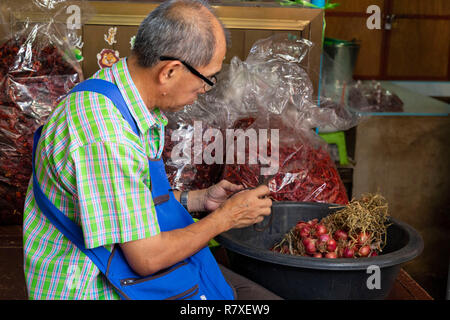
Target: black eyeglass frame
(191, 69)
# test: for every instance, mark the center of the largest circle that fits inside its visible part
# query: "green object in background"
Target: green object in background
(327, 5)
(337, 42)
(73, 53)
(337, 138)
(212, 243)
(78, 54)
(132, 41)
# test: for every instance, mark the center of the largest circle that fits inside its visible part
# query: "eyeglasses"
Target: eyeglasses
(209, 82)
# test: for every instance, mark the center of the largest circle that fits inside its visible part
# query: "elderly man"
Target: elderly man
(92, 164)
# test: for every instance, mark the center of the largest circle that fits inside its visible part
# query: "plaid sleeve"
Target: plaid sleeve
(114, 198)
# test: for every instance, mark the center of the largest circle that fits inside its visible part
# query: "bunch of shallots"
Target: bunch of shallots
(358, 230)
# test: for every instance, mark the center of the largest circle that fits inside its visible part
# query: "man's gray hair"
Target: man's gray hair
(177, 28)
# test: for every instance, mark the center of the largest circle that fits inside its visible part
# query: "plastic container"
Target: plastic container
(343, 54)
(297, 277)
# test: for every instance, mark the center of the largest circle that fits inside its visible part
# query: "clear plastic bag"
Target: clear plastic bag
(189, 164)
(356, 97)
(248, 87)
(371, 97)
(277, 94)
(301, 169)
(37, 69)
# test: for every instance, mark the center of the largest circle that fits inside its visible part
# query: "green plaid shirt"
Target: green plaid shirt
(93, 167)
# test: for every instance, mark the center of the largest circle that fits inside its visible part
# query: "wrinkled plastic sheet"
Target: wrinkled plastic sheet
(372, 97)
(361, 98)
(186, 140)
(37, 70)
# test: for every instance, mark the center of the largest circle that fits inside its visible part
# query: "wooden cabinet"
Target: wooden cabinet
(416, 47)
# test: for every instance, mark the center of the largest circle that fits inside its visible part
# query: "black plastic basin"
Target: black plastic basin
(297, 277)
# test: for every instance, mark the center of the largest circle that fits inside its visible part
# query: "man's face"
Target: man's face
(185, 87)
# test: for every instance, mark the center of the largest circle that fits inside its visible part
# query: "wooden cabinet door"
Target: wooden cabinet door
(418, 49)
(420, 7)
(418, 43)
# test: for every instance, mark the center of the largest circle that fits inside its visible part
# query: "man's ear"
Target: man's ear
(168, 71)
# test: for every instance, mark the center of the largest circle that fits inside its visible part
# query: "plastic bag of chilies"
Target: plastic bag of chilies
(296, 165)
(190, 162)
(36, 70)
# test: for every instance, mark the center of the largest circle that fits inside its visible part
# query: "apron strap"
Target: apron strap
(160, 183)
(112, 92)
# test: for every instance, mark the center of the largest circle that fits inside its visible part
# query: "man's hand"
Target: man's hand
(244, 208)
(218, 194)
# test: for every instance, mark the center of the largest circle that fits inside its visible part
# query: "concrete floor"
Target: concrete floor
(12, 281)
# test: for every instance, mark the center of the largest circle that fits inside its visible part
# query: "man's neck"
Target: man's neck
(143, 81)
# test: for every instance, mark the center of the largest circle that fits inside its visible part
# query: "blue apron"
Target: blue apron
(197, 277)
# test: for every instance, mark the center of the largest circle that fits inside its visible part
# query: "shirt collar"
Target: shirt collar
(144, 118)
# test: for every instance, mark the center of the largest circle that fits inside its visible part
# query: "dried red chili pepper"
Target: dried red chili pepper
(305, 174)
(33, 79)
(185, 175)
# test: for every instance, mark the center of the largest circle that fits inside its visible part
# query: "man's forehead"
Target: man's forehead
(219, 66)
(215, 66)
(214, 71)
